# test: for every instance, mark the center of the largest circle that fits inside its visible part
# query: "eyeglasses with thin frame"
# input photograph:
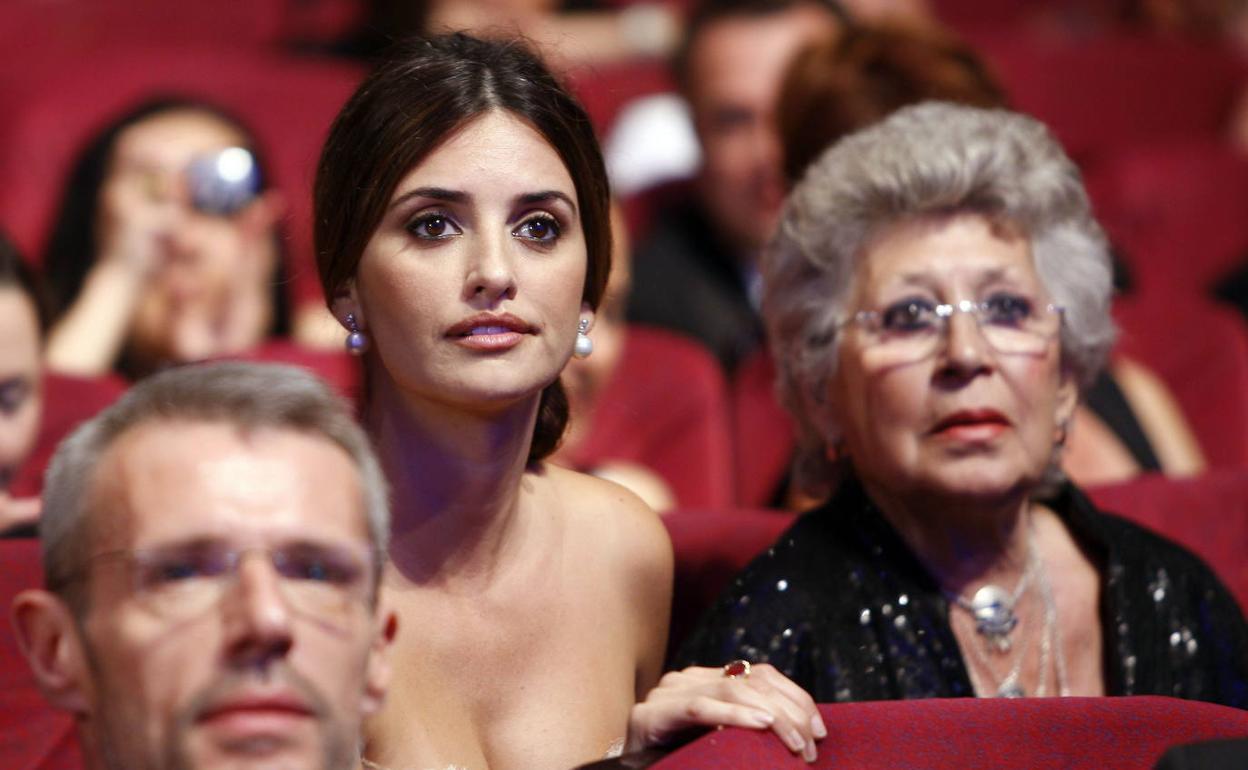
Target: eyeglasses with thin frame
(183, 581)
(913, 329)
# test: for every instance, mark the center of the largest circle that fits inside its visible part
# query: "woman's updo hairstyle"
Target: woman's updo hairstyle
(421, 92)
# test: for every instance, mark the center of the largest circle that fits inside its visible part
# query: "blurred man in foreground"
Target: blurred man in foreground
(211, 550)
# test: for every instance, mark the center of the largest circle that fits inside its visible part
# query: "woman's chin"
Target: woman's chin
(979, 479)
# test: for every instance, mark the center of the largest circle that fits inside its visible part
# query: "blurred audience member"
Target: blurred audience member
(21, 381)
(165, 249)
(242, 632)
(696, 273)
(1129, 422)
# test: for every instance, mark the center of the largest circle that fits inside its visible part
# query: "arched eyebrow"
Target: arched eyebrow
(529, 199)
(458, 196)
(436, 193)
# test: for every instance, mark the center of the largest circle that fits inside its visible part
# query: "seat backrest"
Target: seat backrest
(67, 402)
(1200, 350)
(763, 432)
(604, 89)
(1208, 515)
(1097, 93)
(1175, 210)
(711, 547)
(965, 733)
(337, 368)
(665, 408)
(33, 736)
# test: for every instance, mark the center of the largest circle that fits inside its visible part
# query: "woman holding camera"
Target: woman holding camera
(165, 247)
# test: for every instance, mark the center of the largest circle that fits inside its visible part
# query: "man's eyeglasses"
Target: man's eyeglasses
(183, 581)
(913, 329)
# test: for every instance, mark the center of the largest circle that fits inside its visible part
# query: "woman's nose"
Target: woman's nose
(491, 274)
(966, 350)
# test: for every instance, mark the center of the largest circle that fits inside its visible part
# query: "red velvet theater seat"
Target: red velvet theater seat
(1200, 350)
(711, 547)
(33, 736)
(665, 408)
(67, 401)
(965, 733)
(763, 432)
(336, 368)
(1099, 93)
(1176, 211)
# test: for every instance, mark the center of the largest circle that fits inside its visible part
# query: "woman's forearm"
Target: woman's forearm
(88, 339)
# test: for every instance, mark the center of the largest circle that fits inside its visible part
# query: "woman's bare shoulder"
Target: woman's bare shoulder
(613, 517)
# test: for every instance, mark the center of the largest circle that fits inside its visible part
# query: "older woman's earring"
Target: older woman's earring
(1063, 429)
(357, 341)
(584, 345)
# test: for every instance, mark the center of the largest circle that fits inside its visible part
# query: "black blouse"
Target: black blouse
(842, 606)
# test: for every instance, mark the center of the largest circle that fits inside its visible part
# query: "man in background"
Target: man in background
(697, 274)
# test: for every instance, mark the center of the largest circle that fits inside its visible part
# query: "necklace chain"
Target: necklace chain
(1002, 621)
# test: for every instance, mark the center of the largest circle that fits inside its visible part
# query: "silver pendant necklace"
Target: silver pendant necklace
(993, 608)
(1051, 652)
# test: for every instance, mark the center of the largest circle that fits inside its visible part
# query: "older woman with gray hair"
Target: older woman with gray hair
(936, 297)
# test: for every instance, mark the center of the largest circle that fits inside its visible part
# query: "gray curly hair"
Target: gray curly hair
(936, 159)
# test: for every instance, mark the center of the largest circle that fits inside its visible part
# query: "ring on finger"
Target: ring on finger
(737, 669)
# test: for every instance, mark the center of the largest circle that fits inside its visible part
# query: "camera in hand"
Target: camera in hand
(224, 182)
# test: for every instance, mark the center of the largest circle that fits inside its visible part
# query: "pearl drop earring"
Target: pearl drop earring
(357, 341)
(584, 345)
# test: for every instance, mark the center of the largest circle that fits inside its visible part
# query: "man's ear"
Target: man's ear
(50, 639)
(377, 675)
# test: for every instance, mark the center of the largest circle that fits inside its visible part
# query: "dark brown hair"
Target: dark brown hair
(422, 91)
(15, 273)
(839, 86)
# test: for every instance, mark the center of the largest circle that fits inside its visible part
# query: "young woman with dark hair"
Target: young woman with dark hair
(463, 240)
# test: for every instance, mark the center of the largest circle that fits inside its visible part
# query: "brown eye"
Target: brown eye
(543, 229)
(433, 227)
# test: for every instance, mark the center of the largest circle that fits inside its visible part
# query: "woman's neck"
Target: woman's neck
(455, 478)
(964, 542)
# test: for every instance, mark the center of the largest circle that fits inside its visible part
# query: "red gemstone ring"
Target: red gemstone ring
(737, 669)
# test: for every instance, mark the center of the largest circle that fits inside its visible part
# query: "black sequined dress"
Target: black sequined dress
(842, 606)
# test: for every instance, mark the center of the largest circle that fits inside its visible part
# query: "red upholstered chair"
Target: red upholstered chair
(1100, 92)
(30, 24)
(67, 401)
(605, 89)
(711, 548)
(338, 369)
(1175, 209)
(964, 733)
(1200, 350)
(762, 430)
(665, 408)
(52, 111)
(1208, 515)
(33, 735)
